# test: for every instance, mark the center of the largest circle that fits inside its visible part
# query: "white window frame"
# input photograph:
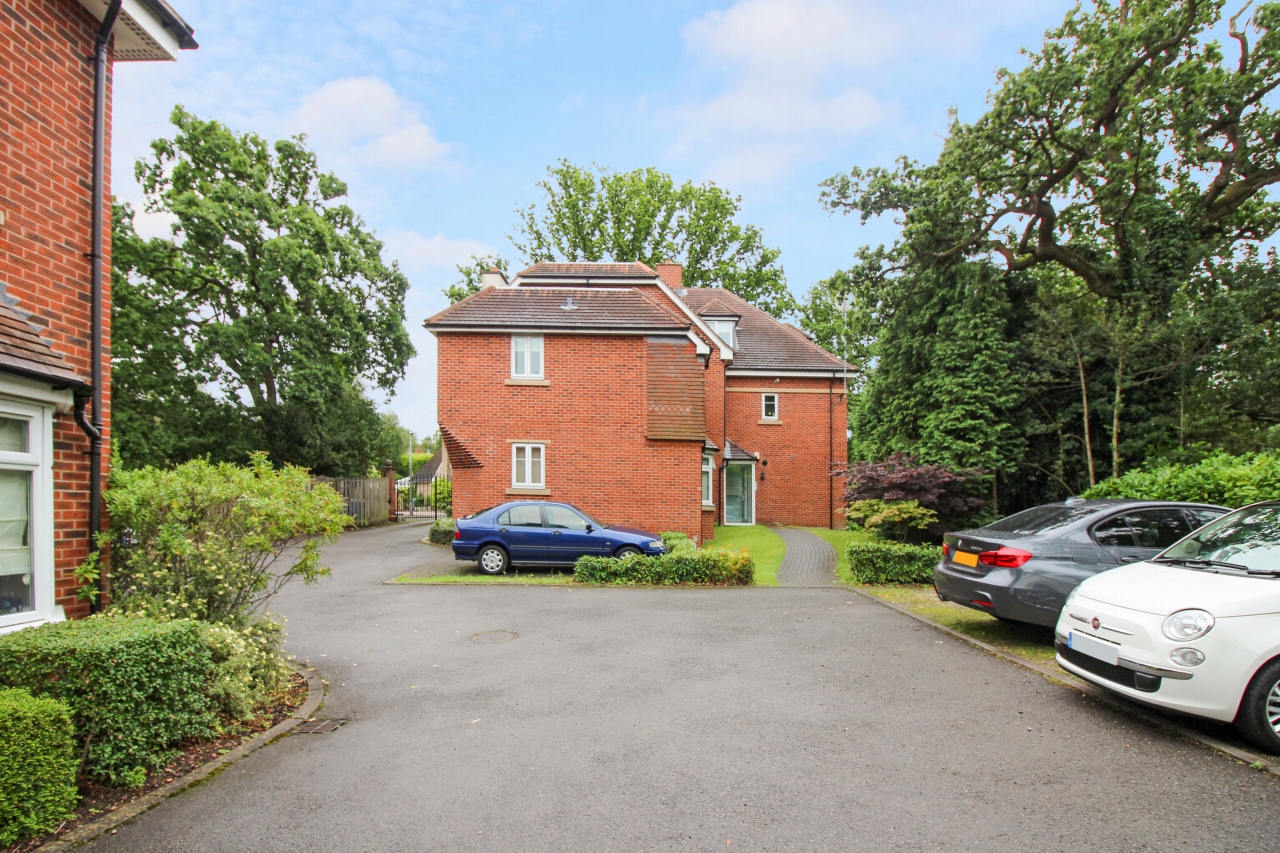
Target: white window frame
(764, 407)
(516, 473)
(708, 479)
(732, 338)
(38, 461)
(542, 360)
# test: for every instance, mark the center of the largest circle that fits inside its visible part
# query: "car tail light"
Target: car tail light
(457, 534)
(946, 550)
(1005, 558)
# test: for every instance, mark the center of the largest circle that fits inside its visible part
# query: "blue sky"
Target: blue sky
(442, 117)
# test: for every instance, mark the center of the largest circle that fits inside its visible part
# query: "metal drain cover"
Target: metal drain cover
(494, 637)
(319, 727)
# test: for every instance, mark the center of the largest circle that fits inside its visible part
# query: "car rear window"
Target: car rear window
(1040, 519)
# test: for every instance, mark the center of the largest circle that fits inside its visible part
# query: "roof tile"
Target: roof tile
(567, 308)
(763, 342)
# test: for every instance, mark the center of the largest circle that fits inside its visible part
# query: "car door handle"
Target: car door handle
(1129, 558)
(555, 533)
(503, 530)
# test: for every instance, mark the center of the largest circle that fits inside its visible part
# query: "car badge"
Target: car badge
(1096, 623)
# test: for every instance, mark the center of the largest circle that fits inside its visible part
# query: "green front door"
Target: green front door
(737, 493)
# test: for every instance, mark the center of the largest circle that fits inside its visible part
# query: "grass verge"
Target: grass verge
(765, 547)
(1033, 642)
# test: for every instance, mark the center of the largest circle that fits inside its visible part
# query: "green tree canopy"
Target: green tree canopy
(258, 324)
(644, 216)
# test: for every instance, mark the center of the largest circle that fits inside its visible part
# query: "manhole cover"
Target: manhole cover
(494, 637)
(319, 727)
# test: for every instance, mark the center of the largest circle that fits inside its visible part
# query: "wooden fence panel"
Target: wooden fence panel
(366, 497)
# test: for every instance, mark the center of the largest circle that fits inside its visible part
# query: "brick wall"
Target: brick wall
(592, 418)
(797, 488)
(46, 168)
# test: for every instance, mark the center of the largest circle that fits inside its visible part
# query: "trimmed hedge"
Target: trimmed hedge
(441, 532)
(715, 567)
(37, 765)
(891, 562)
(136, 687)
(1223, 479)
(677, 542)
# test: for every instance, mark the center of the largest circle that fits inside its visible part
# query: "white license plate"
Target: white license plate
(1094, 648)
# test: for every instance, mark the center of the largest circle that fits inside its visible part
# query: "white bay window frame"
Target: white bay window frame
(528, 466)
(526, 357)
(37, 461)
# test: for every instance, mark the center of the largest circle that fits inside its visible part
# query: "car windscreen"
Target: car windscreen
(1040, 519)
(1246, 539)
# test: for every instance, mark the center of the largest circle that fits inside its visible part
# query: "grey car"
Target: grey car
(1021, 568)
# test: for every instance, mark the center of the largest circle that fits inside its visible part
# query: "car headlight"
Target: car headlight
(1187, 625)
(1070, 596)
(1187, 657)
(654, 543)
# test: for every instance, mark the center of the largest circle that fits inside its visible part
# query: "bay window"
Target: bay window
(708, 475)
(26, 514)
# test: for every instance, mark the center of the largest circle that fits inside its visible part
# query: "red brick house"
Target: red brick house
(614, 388)
(56, 58)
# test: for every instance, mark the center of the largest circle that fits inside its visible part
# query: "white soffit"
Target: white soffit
(140, 35)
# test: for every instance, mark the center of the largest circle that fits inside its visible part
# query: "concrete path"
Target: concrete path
(810, 560)
(682, 720)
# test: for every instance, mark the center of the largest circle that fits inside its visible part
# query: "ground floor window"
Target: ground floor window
(527, 467)
(26, 514)
(708, 471)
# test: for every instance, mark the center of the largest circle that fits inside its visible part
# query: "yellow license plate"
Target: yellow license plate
(965, 558)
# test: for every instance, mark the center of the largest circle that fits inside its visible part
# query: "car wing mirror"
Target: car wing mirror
(591, 528)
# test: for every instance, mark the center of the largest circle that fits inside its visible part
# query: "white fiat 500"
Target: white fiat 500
(1195, 629)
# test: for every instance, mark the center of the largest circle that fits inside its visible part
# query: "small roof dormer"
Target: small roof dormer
(722, 320)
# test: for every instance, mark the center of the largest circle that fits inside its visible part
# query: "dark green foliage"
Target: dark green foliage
(891, 562)
(136, 687)
(257, 324)
(677, 542)
(441, 533)
(1222, 479)
(37, 765)
(713, 567)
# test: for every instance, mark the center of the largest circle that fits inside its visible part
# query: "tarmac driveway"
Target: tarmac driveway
(632, 719)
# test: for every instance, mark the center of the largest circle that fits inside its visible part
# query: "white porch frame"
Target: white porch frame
(724, 492)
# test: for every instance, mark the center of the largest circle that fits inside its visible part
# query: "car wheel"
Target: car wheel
(493, 560)
(627, 551)
(1259, 717)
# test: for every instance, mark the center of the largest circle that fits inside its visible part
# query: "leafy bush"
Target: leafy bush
(1222, 479)
(37, 765)
(441, 532)
(901, 477)
(711, 567)
(677, 542)
(136, 687)
(891, 562)
(889, 519)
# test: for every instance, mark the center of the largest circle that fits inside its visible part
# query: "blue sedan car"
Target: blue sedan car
(536, 533)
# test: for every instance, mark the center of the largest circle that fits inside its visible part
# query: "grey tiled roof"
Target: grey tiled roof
(734, 452)
(763, 342)
(533, 307)
(25, 353)
(427, 472)
(546, 269)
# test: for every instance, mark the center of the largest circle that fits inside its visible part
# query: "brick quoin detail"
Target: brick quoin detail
(46, 166)
(592, 417)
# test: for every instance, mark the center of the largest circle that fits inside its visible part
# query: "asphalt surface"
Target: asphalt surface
(777, 719)
(810, 560)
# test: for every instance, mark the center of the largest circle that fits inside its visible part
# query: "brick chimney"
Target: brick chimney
(671, 273)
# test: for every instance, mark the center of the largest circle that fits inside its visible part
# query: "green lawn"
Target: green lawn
(839, 539)
(766, 548)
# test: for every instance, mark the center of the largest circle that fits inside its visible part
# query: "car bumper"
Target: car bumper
(991, 593)
(463, 550)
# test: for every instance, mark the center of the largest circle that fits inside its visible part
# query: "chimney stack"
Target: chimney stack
(493, 278)
(671, 274)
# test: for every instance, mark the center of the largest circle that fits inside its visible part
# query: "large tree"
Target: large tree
(644, 215)
(260, 322)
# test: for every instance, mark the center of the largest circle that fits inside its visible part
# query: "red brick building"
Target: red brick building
(53, 98)
(614, 388)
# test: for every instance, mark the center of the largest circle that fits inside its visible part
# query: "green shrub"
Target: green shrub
(441, 532)
(1223, 479)
(712, 567)
(677, 542)
(136, 687)
(37, 765)
(891, 562)
(889, 519)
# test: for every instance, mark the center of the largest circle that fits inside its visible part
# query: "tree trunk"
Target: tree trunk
(1084, 397)
(1115, 420)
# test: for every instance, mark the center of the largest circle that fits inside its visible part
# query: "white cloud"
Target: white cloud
(362, 118)
(416, 252)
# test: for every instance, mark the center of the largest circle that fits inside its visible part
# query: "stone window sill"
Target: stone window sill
(770, 422)
(528, 491)
(526, 382)
(708, 507)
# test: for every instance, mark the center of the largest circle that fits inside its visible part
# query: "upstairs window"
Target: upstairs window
(526, 466)
(526, 357)
(708, 472)
(769, 407)
(726, 330)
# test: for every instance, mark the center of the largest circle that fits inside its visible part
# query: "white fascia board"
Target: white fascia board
(140, 35)
(791, 374)
(31, 391)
